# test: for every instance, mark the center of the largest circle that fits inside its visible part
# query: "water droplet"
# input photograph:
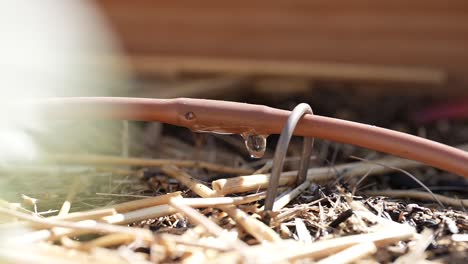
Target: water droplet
(214, 130)
(255, 144)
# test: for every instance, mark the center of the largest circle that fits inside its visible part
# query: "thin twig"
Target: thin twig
(360, 181)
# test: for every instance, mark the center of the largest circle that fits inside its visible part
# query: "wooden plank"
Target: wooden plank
(151, 65)
(396, 33)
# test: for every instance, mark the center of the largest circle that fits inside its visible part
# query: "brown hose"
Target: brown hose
(239, 118)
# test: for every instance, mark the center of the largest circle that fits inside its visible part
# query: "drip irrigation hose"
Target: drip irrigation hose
(231, 117)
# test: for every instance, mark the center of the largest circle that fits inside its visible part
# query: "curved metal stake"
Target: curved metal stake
(280, 153)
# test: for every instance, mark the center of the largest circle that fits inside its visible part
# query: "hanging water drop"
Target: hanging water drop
(255, 144)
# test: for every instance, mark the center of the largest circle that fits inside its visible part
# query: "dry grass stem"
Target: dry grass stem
(89, 215)
(74, 189)
(14, 206)
(87, 225)
(303, 233)
(317, 175)
(265, 168)
(253, 226)
(416, 253)
(141, 214)
(205, 244)
(351, 254)
(288, 197)
(220, 201)
(190, 182)
(99, 160)
(202, 220)
(419, 195)
(44, 253)
(324, 248)
(144, 203)
(256, 228)
(109, 240)
(196, 217)
(407, 174)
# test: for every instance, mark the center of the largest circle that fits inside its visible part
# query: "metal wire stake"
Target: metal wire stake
(280, 153)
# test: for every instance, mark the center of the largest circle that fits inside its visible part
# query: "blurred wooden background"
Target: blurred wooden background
(421, 33)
